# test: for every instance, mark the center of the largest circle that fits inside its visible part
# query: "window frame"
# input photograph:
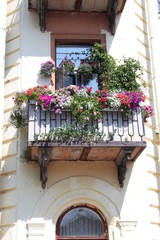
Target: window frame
(75, 39)
(82, 237)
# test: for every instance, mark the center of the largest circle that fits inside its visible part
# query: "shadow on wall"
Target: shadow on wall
(141, 40)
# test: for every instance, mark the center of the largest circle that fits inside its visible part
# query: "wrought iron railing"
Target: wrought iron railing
(122, 128)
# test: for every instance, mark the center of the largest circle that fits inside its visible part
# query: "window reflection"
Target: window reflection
(81, 222)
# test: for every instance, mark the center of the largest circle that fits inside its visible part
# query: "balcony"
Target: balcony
(74, 123)
(118, 138)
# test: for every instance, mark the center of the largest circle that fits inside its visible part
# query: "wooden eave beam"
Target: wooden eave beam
(78, 5)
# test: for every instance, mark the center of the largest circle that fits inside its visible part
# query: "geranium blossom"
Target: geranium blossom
(131, 100)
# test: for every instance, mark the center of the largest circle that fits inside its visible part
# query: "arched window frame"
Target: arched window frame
(58, 237)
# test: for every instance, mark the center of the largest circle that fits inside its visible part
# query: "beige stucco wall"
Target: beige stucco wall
(28, 212)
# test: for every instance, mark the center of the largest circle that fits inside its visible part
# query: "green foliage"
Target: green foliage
(17, 119)
(85, 108)
(85, 69)
(102, 63)
(127, 74)
(124, 76)
(73, 133)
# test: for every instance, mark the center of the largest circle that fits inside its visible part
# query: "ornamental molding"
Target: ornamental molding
(35, 230)
(127, 225)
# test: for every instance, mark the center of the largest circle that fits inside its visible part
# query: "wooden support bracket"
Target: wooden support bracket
(111, 12)
(42, 12)
(43, 160)
(123, 157)
(78, 5)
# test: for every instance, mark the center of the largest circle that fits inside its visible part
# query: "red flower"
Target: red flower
(89, 90)
(103, 99)
(104, 105)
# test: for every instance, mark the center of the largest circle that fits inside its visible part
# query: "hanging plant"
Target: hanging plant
(69, 66)
(47, 68)
(85, 69)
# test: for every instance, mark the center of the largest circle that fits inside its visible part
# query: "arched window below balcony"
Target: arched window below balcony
(81, 223)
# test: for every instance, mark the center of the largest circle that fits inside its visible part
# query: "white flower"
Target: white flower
(114, 102)
(67, 102)
(82, 93)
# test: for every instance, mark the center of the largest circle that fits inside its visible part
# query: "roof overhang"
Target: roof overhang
(110, 7)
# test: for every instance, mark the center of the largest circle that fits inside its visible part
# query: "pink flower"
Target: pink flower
(81, 109)
(87, 118)
(95, 113)
(99, 120)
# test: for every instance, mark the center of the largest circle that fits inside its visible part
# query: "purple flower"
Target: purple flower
(58, 111)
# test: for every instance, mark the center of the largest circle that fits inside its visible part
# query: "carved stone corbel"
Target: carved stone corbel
(121, 160)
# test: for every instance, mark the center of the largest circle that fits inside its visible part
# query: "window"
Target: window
(158, 6)
(73, 54)
(81, 223)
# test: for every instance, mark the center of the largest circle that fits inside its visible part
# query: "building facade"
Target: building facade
(29, 212)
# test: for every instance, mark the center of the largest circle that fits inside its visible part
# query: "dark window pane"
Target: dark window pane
(81, 222)
(158, 6)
